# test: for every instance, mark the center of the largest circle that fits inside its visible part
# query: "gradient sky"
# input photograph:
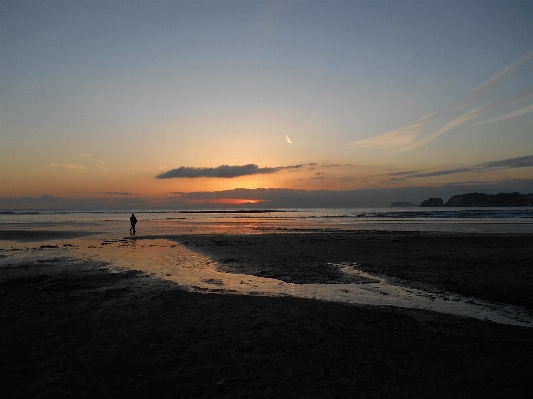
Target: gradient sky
(156, 100)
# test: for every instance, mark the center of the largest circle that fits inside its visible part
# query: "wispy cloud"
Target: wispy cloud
(318, 176)
(522, 95)
(223, 171)
(505, 76)
(521, 162)
(334, 165)
(522, 111)
(403, 173)
(511, 163)
(66, 166)
(401, 137)
(121, 193)
(410, 137)
(85, 155)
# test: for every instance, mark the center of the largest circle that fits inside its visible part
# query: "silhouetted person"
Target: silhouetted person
(133, 221)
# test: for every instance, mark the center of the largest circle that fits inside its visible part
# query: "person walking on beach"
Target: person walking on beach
(133, 221)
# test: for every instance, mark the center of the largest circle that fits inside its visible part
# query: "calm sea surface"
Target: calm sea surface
(164, 222)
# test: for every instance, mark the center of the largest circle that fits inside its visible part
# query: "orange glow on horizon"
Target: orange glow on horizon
(229, 201)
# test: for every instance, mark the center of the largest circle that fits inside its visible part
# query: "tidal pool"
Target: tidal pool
(168, 260)
(194, 272)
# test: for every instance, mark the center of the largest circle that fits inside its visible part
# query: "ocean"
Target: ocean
(256, 221)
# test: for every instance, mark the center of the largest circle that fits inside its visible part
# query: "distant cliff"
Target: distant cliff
(481, 199)
(433, 202)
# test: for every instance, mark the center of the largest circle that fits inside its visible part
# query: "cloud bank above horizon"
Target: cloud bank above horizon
(265, 198)
(512, 163)
(223, 171)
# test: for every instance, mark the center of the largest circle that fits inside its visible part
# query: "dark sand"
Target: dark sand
(496, 267)
(40, 235)
(71, 328)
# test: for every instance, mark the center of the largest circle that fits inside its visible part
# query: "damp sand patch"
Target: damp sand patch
(196, 272)
(41, 235)
(193, 271)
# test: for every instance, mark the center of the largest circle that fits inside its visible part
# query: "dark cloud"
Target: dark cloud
(118, 193)
(378, 197)
(223, 171)
(511, 163)
(104, 193)
(310, 166)
(318, 175)
(443, 172)
(402, 173)
(521, 162)
(335, 165)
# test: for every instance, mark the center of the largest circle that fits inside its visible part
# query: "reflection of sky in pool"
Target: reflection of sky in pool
(170, 261)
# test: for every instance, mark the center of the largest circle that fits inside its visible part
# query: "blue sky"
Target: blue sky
(102, 97)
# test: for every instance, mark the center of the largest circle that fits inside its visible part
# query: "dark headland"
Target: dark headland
(482, 200)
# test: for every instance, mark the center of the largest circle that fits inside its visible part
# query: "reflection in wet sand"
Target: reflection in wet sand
(191, 271)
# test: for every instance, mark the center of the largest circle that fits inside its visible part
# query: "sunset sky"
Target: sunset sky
(179, 103)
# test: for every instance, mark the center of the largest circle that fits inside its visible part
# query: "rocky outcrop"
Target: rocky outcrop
(432, 202)
(498, 200)
(482, 200)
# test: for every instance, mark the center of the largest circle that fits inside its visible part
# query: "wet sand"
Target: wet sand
(495, 267)
(73, 326)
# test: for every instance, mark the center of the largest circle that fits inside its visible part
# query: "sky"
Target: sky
(138, 104)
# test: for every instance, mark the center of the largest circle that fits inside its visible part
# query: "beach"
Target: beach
(266, 199)
(84, 316)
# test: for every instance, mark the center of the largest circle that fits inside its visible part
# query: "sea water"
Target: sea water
(157, 221)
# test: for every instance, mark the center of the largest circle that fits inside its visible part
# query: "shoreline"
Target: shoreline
(79, 327)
